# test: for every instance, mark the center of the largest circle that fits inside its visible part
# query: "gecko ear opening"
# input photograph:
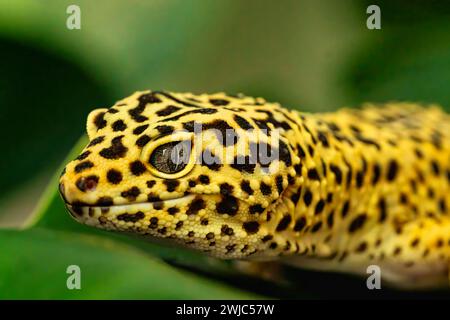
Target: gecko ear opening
(95, 121)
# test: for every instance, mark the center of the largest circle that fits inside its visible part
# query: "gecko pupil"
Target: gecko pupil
(171, 157)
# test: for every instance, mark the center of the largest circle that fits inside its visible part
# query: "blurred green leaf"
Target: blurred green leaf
(408, 59)
(33, 265)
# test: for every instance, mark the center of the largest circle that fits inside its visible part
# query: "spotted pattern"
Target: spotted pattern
(347, 189)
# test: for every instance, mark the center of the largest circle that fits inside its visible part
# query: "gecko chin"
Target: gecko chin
(192, 221)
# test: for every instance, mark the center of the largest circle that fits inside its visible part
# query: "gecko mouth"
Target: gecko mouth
(91, 211)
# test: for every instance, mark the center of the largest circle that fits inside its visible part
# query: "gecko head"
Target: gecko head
(205, 171)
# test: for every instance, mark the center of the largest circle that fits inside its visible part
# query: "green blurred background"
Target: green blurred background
(308, 55)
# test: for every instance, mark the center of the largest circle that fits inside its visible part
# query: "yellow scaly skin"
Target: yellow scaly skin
(350, 188)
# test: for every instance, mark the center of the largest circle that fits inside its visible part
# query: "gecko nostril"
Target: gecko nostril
(87, 183)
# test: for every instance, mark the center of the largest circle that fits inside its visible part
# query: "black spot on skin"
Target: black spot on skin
(105, 202)
(301, 152)
(116, 150)
(313, 174)
(267, 238)
(204, 222)
(178, 225)
(296, 196)
(263, 126)
(225, 133)
(329, 197)
(397, 251)
(251, 227)
(442, 206)
(163, 230)
(256, 208)
(300, 224)
(165, 130)
(131, 194)
(136, 113)
(357, 223)
(284, 223)
(230, 247)
(316, 227)
(349, 174)
(435, 167)
(195, 206)
(319, 207)
(200, 111)
(131, 217)
(87, 183)
(243, 164)
(226, 230)
(140, 129)
(189, 126)
(154, 223)
(245, 186)
(204, 179)
(359, 179)
(113, 111)
(330, 219)
(167, 111)
(209, 236)
(361, 247)
(191, 234)
(403, 198)
(311, 150)
(273, 245)
(142, 140)
(173, 210)
(114, 176)
(96, 141)
(244, 124)
(228, 205)
(279, 184)
(118, 125)
(376, 173)
(415, 242)
(219, 102)
(271, 119)
(383, 210)
(323, 138)
(307, 197)
(265, 189)
(392, 170)
(345, 209)
(137, 168)
(367, 141)
(83, 156)
(150, 183)
(291, 180)
(226, 189)
(192, 183)
(99, 120)
(83, 166)
(171, 185)
(284, 153)
(337, 173)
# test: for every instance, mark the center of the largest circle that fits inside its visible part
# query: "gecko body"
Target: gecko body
(334, 191)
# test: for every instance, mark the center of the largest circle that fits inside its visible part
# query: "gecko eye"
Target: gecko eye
(171, 157)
